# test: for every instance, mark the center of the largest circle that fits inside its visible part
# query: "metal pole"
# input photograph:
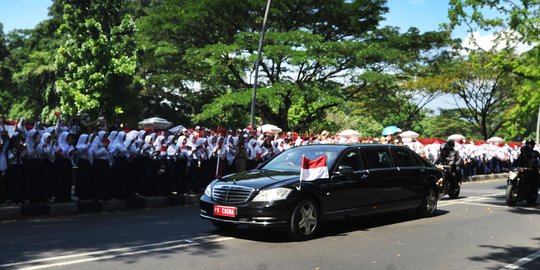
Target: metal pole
(254, 92)
(538, 125)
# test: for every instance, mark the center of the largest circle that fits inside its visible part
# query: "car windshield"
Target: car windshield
(291, 160)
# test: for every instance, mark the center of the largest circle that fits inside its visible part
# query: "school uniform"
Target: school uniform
(83, 181)
(15, 171)
(47, 164)
(33, 176)
(120, 155)
(64, 169)
(101, 167)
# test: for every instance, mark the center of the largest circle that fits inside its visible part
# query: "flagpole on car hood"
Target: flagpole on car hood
(301, 173)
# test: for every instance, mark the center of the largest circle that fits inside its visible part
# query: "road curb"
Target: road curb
(13, 212)
(485, 177)
(87, 207)
(10, 212)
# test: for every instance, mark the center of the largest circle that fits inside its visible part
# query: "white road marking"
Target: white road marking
(517, 264)
(479, 201)
(114, 253)
(487, 205)
(471, 199)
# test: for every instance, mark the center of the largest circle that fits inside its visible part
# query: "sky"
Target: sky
(424, 14)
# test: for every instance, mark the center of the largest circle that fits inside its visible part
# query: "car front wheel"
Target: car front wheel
(429, 204)
(304, 220)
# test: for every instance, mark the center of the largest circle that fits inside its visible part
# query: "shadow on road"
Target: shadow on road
(505, 255)
(333, 228)
(125, 237)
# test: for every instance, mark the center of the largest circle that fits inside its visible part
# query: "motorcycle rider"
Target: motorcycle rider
(528, 158)
(450, 157)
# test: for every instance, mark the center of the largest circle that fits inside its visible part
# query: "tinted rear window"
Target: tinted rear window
(377, 158)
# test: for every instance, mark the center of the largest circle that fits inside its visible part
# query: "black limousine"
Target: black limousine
(361, 180)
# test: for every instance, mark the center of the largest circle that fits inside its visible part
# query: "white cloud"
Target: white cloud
(493, 41)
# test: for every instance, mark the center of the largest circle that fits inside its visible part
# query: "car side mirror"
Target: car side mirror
(345, 171)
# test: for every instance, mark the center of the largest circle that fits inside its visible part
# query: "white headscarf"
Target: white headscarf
(118, 147)
(46, 149)
(64, 146)
(31, 143)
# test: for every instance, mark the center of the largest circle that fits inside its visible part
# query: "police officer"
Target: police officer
(450, 157)
(528, 158)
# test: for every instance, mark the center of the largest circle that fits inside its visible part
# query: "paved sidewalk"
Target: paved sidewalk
(86, 207)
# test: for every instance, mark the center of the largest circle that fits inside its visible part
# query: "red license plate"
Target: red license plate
(224, 211)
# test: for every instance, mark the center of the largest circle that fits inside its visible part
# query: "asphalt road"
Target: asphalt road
(476, 231)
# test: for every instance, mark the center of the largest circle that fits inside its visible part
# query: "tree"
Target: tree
(97, 62)
(312, 55)
(515, 22)
(485, 90)
(6, 81)
(448, 122)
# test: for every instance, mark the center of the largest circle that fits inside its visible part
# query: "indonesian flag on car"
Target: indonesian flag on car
(313, 169)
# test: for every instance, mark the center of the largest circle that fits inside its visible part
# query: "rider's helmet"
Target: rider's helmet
(530, 142)
(450, 144)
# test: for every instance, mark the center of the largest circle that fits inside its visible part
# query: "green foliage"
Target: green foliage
(97, 62)
(446, 123)
(520, 22)
(339, 119)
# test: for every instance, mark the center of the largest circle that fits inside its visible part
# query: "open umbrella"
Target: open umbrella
(456, 137)
(495, 140)
(390, 130)
(155, 122)
(349, 132)
(409, 134)
(176, 129)
(271, 129)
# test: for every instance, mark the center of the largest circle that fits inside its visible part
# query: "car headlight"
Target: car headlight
(274, 194)
(208, 191)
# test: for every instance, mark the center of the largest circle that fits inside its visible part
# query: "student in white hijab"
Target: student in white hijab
(84, 173)
(120, 154)
(101, 166)
(33, 174)
(4, 143)
(15, 172)
(64, 165)
(47, 156)
(230, 148)
(145, 171)
(181, 164)
(160, 165)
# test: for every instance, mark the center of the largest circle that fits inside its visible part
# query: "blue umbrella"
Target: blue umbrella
(389, 130)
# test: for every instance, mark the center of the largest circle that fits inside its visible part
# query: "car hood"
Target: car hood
(260, 179)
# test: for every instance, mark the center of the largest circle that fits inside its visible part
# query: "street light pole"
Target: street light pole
(254, 92)
(538, 125)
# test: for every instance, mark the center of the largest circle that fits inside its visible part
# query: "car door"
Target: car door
(383, 176)
(410, 177)
(350, 192)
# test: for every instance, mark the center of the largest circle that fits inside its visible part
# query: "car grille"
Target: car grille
(231, 194)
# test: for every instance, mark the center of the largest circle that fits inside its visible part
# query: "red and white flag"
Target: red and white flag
(313, 169)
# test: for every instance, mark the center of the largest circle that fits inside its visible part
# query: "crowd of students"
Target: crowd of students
(60, 164)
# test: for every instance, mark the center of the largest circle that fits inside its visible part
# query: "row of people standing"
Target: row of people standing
(45, 166)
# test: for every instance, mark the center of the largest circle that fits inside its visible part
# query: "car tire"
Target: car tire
(428, 207)
(224, 226)
(304, 221)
